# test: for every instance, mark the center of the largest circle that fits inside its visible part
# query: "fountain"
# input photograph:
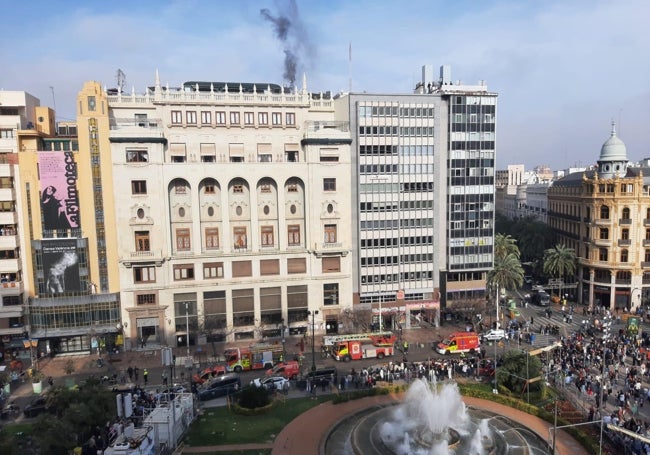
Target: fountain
(431, 420)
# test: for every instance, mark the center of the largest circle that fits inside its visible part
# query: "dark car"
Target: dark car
(220, 386)
(36, 407)
(328, 373)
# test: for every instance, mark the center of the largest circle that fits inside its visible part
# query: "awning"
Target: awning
(208, 150)
(291, 147)
(177, 149)
(264, 148)
(236, 149)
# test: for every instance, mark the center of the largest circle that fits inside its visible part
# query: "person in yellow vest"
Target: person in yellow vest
(145, 375)
(406, 347)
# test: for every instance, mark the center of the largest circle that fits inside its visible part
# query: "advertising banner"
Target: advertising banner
(60, 266)
(59, 197)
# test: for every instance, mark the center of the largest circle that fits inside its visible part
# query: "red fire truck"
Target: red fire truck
(360, 345)
(255, 357)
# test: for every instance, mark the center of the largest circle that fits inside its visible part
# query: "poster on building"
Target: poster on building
(59, 198)
(60, 266)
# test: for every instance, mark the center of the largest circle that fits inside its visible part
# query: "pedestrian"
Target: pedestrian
(145, 375)
(136, 372)
(406, 347)
(164, 377)
(532, 320)
(130, 372)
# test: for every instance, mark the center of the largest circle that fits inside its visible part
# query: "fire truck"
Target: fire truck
(255, 357)
(360, 346)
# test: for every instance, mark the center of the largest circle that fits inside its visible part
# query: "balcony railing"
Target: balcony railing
(624, 242)
(646, 221)
(646, 242)
(146, 255)
(332, 245)
(625, 221)
(645, 265)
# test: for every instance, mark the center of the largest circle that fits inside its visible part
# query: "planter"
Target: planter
(38, 387)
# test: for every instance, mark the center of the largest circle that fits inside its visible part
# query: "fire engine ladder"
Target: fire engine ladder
(330, 340)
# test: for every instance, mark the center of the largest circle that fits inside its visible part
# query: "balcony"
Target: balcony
(646, 242)
(8, 242)
(9, 265)
(8, 218)
(7, 194)
(645, 265)
(646, 221)
(143, 256)
(11, 288)
(624, 242)
(331, 245)
(625, 221)
(603, 222)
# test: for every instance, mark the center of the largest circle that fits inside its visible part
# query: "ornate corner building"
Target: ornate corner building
(604, 215)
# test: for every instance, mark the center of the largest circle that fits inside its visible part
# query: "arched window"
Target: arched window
(604, 212)
(604, 233)
(626, 213)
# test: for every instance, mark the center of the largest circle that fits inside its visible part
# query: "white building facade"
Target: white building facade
(233, 208)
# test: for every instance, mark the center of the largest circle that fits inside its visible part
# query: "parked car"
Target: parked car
(272, 383)
(36, 407)
(220, 386)
(209, 373)
(494, 335)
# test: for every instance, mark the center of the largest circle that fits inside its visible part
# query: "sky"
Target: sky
(563, 69)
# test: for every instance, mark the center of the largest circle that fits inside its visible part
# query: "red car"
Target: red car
(209, 373)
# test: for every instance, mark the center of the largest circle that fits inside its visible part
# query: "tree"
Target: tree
(516, 369)
(505, 245)
(506, 274)
(560, 261)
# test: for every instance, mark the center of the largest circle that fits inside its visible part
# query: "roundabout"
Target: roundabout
(362, 426)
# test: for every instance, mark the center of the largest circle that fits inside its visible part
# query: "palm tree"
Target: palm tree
(560, 261)
(505, 245)
(506, 274)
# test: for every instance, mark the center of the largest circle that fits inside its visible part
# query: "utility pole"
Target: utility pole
(187, 326)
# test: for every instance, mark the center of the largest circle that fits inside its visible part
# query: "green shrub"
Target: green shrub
(252, 397)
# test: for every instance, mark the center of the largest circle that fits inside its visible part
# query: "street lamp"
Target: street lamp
(282, 328)
(313, 338)
(187, 326)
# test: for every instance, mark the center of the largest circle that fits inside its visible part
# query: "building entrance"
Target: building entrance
(148, 332)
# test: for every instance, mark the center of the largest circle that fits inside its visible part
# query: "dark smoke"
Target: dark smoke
(289, 30)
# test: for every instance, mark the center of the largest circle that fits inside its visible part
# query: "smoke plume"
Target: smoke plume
(289, 29)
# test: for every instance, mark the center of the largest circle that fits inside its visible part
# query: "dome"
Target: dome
(613, 149)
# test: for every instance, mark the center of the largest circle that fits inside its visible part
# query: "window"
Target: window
(624, 256)
(330, 294)
(331, 264)
(293, 231)
(191, 117)
(264, 153)
(276, 118)
(604, 212)
(263, 118)
(180, 188)
(212, 238)
(292, 188)
(239, 236)
(234, 118)
(183, 272)
(625, 234)
(183, 239)
(138, 187)
(267, 236)
(142, 241)
(265, 188)
(270, 267)
(137, 156)
(297, 265)
(238, 189)
(220, 117)
(209, 188)
(647, 256)
(626, 213)
(206, 117)
(177, 118)
(145, 299)
(6, 134)
(329, 184)
(647, 234)
(291, 118)
(92, 103)
(213, 270)
(146, 274)
(602, 254)
(330, 233)
(249, 118)
(242, 269)
(604, 233)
